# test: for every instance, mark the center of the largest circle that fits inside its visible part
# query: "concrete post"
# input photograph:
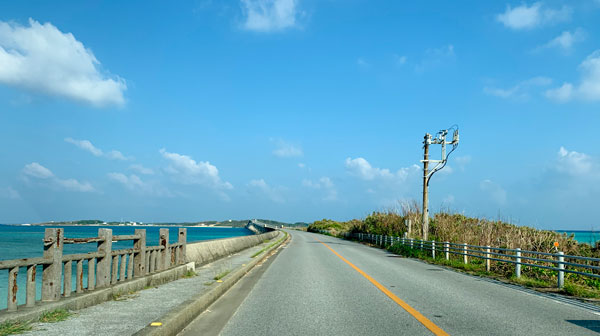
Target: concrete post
(52, 273)
(103, 268)
(123, 267)
(79, 277)
(139, 261)
(91, 274)
(130, 266)
(11, 304)
(518, 264)
(487, 261)
(182, 239)
(409, 227)
(115, 270)
(561, 266)
(68, 279)
(31, 275)
(465, 257)
(433, 249)
(447, 250)
(163, 241)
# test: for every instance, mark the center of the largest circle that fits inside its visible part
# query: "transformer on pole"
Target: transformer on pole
(440, 139)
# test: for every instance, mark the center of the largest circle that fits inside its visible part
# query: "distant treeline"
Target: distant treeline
(233, 223)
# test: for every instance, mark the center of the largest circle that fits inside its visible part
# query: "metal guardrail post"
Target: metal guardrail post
(447, 250)
(433, 249)
(421, 240)
(561, 266)
(518, 264)
(52, 273)
(465, 258)
(411, 243)
(487, 260)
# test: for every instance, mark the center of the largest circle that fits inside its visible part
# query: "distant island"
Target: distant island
(229, 222)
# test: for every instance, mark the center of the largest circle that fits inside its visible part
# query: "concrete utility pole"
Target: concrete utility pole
(428, 140)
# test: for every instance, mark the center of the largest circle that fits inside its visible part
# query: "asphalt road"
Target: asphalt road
(309, 289)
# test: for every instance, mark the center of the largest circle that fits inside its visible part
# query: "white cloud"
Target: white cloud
(41, 173)
(273, 193)
(362, 168)
(36, 170)
(494, 190)
(462, 161)
(520, 90)
(400, 60)
(528, 17)
(435, 57)
(141, 169)
(301, 165)
(325, 184)
(361, 62)
(41, 58)
(9, 193)
(574, 163)
(270, 15)
(589, 86)
(187, 171)
(566, 40)
(285, 150)
(88, 146)
(136, 184)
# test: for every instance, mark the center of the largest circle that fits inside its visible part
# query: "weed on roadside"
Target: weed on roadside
(55, 316)
(14, 327)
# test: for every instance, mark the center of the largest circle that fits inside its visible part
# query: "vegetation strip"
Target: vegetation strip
(14, 327)
(415, 313)
(272, 244)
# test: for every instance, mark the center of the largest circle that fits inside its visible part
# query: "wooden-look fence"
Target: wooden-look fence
(103, 266)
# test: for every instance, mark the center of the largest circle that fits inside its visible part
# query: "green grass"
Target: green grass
(221, 275)
(189, 274)
(272, 244)
(55, 316)
(14, 327)
(580, 291)
(531, 282)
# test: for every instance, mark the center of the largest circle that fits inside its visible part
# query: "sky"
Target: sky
(297, 110)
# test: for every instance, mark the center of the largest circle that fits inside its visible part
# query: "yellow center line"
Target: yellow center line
(424, 320)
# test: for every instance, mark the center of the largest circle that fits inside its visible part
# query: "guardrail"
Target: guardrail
(559, 262)
(103, 266)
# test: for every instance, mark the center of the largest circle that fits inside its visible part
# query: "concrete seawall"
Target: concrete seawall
(207, 251)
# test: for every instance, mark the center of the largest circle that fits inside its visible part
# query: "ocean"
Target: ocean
(18, 242)
(588, 237)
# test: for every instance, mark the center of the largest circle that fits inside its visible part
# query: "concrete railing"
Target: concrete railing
(105, 267)
(584, 266)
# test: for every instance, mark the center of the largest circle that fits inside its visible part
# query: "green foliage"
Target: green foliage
(55, 316)
(222, 275)
(14, 327)
(189, 274)
(580, 291)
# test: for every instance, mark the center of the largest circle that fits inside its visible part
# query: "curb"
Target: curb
(179, 317)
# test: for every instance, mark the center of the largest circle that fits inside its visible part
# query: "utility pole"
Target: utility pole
(425, 221)
(440, 138)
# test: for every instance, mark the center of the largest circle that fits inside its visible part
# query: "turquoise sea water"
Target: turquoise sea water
(18, 242)
(588, 237)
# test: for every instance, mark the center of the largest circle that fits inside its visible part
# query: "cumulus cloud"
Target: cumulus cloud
(589, 87)
(273, 193)
(528, 17)
(186, 170)
(325, 184)
(462, 161)
(574, 163)
(89, 147)
(136, 184)
(270, 15)
(35, 171)
(141, 169)
(566, 40)
(361, 168)
(494, 191)
(9, 193)
(435, 57)
(520, 90)
(41, 58)
(285, 150)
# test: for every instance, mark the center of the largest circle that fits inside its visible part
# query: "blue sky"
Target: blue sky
(297, 110)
